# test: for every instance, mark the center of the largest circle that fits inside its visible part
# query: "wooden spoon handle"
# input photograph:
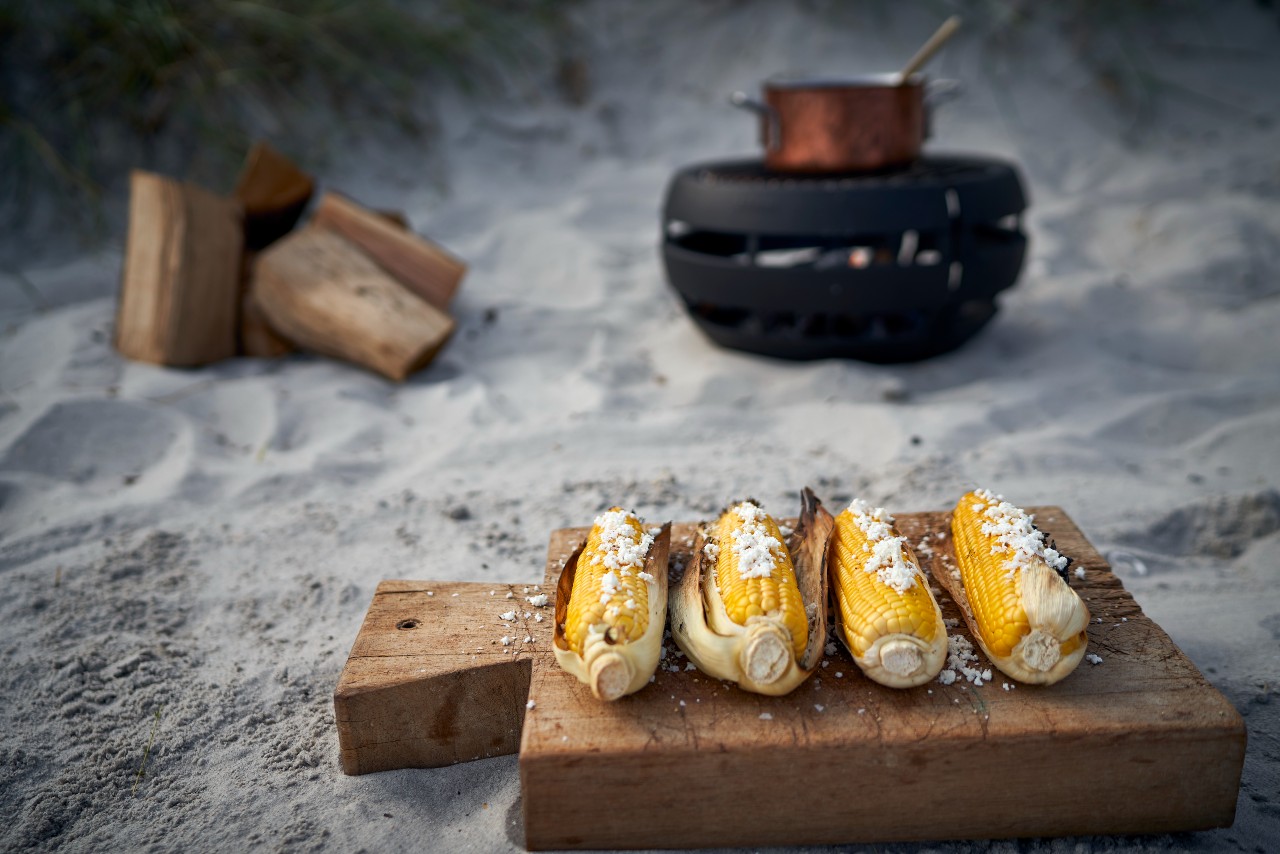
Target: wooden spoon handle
(926, 52)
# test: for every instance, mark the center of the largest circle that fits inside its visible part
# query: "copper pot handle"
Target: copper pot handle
(773, 125)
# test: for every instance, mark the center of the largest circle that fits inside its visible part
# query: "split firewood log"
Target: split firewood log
(321, 291)
(180, 287)
(424, 267)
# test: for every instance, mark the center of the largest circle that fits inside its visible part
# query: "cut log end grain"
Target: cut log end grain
(322, 292)
(179, 292)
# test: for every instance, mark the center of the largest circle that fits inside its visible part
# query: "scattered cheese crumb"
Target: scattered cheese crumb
(1080, 573)
(537, 618)
(682, 702)
(690, 666)
(765, 716)
(510, 615)
(538, 601)
(530, 704)
(431, 593)
(1093, 659)
(831, 648)
(455, 595)
(862, 711)
(506, 641)
(509, 595)
(960, 656)
(528, 639)
(839, 675)
(819, 706)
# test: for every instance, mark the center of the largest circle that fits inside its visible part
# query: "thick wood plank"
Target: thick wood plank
(1138, 744)
(320, 291)
(179, 293)
(424, 267)
(429, 682)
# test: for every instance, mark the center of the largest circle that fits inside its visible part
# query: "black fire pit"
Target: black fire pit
(885, 267)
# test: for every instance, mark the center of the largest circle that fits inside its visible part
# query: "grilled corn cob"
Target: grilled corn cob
(744, 611)
(1025, 617)
(888, 618)
(611, 606)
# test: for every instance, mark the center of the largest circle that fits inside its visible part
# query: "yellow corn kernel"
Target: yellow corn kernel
(610, 591)
(754, 573)
(891, 623)
(1025, 617)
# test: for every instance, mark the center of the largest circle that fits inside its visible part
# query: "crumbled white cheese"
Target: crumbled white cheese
(537, 601)
(506, 641)
(530, 704)
(819, 706)
(888, 557)
(830, 648)
(765, 716)
(509, 615)
(960, 657)
(537, 618)
(1017, 539)
(623, 543)
(1093, 659)
(757, 550)
(431, 593)
(1080, 573)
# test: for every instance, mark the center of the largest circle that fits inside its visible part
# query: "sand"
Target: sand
(186, 555)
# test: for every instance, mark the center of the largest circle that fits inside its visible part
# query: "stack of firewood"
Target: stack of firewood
(208, 277)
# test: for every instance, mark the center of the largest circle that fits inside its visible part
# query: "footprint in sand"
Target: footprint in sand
(94, 441)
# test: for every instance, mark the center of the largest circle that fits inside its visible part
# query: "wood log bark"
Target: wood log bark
(322, 292)
(424, 267)
(274, 192)
(180, 288)
(258, 338)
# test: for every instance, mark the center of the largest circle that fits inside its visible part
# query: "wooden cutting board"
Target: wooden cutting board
(1140, 743)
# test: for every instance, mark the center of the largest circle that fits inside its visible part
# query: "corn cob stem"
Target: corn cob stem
(611, 605)
(749, 639)
(1026, 618)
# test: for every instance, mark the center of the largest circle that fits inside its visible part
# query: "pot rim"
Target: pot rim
(878, 80)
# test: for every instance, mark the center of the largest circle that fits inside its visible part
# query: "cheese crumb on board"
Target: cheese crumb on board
(538, 601)
(1093, 659)
(765, 716)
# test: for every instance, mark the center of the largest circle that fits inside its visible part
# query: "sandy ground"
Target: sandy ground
(186, 556)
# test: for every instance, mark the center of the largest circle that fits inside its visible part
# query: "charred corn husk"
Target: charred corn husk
(889, 620)
(611, 606)
(748, 609)
(1026, 618)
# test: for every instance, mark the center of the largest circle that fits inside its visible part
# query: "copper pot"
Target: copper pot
(844, 125)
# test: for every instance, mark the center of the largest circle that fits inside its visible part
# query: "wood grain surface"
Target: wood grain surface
(1140, 743)
(429, 681)
(180, 289)
(421, 265)
(322, 292)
